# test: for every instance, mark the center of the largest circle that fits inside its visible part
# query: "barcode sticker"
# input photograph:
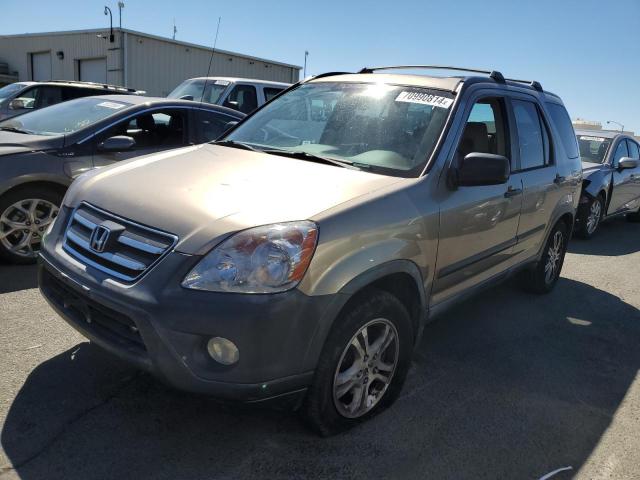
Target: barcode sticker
(424, 99)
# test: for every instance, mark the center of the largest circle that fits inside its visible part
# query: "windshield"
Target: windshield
(593, 149)
(384, 128)
(194, 89)
(6, 92)
(65, 117)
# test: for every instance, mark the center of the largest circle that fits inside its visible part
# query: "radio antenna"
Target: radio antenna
(215, 41)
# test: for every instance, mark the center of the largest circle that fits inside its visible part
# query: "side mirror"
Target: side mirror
(627, 162)
(482, 169)
(231, 104)
(186, 97)
(119, 143)
(17, 104)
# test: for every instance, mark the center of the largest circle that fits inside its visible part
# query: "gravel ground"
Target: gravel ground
(506, 385)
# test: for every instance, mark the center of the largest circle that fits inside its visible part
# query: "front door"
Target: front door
(478, 225)
(623, 191)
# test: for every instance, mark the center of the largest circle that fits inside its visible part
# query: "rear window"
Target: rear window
(561, 120)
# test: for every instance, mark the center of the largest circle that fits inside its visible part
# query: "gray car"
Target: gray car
(611, 187)
(300, 257)
(43, 151)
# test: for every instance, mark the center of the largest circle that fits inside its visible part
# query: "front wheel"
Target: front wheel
(543, 276)
(363, 364)
(590, 218)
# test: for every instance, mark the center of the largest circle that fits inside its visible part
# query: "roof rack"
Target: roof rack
(494, 74)
(99, 85)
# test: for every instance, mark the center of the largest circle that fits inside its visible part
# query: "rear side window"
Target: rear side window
(270, 92)
(634, 152)
(561, 120)
(532, 136)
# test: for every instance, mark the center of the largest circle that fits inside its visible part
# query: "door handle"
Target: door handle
(559, 179)
(512, 192)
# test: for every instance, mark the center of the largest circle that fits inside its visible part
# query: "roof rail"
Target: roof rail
(100, 85)
(494, 74)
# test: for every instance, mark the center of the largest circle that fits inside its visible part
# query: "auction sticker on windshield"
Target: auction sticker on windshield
(113, 105)
(424, 99)
(593, 139)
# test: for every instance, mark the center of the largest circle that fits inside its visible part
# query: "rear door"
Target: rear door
(542, 186)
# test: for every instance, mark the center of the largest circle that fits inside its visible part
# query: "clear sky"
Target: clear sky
(587, 51)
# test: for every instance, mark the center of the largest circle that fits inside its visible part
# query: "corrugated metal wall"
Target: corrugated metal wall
(15, 51)
(152, 64)
(158, 66)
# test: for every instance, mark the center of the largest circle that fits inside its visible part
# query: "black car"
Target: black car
(43, 151)
(22, 97)
(611, 186)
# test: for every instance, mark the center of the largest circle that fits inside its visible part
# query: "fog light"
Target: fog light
(223, 350)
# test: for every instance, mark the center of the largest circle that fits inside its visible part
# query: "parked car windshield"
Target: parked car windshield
(384, 128)
(593, 149)
(195, 89)
(66, 117)
(7, 91)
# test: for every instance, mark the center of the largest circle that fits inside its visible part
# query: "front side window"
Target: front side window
(48, 96)
(621, 151)
(593, 149)
(66, 117)
(634, 151)
(485, 130)
(211, 125)
(377, 127)
(242, 98)
(270, 92)
(161, 128)
(27, 98)
(532, 135)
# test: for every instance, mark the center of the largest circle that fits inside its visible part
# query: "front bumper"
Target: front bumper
(163, 328)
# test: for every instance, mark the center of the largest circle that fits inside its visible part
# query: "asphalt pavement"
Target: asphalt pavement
(506, 385)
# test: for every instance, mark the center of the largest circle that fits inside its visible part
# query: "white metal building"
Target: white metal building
(134, 59)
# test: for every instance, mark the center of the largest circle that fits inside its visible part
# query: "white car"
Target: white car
(243, 94)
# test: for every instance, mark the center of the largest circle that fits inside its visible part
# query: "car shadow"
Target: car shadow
(506, 385)
(17, 277)
(614, 238)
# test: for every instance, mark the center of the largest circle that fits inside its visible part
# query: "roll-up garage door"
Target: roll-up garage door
(93, 70)
(41, 66)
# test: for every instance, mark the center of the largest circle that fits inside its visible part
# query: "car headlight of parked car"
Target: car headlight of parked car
(267, 259)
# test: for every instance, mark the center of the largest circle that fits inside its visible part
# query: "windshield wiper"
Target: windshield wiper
(234, 144)
(15, 130)
(301, 155)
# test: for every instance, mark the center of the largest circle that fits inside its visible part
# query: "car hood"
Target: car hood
(203, 193)
(589, 167)
(12, 143)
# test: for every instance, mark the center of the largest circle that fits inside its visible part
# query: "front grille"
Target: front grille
(102, 321)
(125, 252)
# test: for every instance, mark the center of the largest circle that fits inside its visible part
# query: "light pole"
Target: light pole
(120, 7)
(617, 123)
(304, 72)
(107, 11)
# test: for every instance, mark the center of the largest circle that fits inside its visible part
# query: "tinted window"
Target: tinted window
(243, 98)
(621, 151)
(634, 151)
(270, 92)
(161, 128)
(211, 125)
(561, 120)
(47, 96)
(485, 130)
(531, 135)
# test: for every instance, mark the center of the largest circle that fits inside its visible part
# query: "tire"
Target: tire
(326, 406)
(590, 217)
(537, 278)
(18, 225)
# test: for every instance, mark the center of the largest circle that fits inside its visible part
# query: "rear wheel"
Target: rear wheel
(25, 215)
(363, 364)
(590, 217)
(543, 276)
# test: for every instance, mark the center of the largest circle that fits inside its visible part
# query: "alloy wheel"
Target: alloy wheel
(366, 368)
(554, 256)
(594, 216)
(22, 225)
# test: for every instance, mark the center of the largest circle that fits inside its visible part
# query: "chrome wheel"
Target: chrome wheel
(594, 216)
(23, 224)
(366, 368)
(554, 256)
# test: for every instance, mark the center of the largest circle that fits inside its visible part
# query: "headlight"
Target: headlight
(267, 259)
